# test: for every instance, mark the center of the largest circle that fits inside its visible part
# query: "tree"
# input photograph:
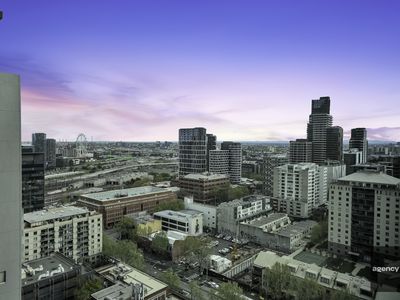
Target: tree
(319, 232)
(195, 291)
(342, 295)
(141, 182)
(170, 205)
(87, 288)
(126, 228)
(237, 192)
(277, 280)
(171, 278)
(160, 243)
(125, 250)
(229, 291)
(196, 249)
(308, 289)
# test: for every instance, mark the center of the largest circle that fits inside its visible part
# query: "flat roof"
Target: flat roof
(180, 215)
(295, 228)
(54, 213)
(371, 177)
(46, 264)
(205, 176)
(266, 219)
(123, 193)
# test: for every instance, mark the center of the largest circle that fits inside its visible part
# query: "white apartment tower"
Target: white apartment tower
(298, 188)
(10, 187)
(73, 231)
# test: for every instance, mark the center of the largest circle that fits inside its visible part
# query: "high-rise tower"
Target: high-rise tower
(358, 140)
(235, 160)
(320, 119)
(334, 143)
(10, 187)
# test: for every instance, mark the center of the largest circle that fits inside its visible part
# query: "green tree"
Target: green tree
(126, 228)
(195, 291)
(141, 182)
(171, 278)
(125, 250)
(277, 281)
(319, 232)
(160, 243)
(342, 295)
(237, 192)
(308, 289)
(87, 288)
(170, 205)
(196, 249)
(229, 291)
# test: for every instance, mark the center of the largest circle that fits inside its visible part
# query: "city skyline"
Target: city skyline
(244, 72)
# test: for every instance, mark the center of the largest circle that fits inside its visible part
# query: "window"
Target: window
(2, 277)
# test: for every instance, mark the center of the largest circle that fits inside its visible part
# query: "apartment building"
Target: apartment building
(72, 231)
(186, 221)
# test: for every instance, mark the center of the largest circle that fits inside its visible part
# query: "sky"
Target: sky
(245, 70)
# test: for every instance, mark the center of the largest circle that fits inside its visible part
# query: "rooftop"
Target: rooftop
(296, 228)
(123, 193)
(263, 220)
(205, 176)
(371, 177)
(180, 215)
(54, 213)
(35, 270)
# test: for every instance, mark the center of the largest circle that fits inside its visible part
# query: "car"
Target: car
(185, 293)
(213, 284)
(227, 238)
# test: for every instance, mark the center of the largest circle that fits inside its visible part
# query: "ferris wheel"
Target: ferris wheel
(81, 145)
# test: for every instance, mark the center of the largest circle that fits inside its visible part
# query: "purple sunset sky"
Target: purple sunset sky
(245, 70)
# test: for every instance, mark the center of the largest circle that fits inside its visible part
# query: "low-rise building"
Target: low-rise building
(128, 283)
(113, 205)
(209, 212)
(186, 221)
(230, 214)
(203, 186)
(275, 231)
(51, 277)
(72, 231)
(145, 224)
(358, 286)
(219, 264)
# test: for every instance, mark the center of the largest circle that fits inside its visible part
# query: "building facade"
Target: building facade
(352, 158)
(33, 168)
(334, 143)
(50, 153)
(270, 162)
(358, 140)
(203, 187)
(39, 142)
(235, 160)
(209, 212)
(113, 205)
(189, 222)
(299, 188)
(73, 231)
(10, 187)
(192, 151)
(364, 212)
(300, 151)
(320, 119)
(219, 162)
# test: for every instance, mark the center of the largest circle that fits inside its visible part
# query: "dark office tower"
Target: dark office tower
(358, 140)
(211, 145)
(32, 180)
(10, 187)
(50, 153)
(235, 160)
(39, 142)
(192, 151)
(300, 151)
(334, 143)
(319, 121)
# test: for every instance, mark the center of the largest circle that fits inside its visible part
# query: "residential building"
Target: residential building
(235, 160)
(230, 214)
(299, 188)
(275, 231)
(203, 187)
(33, 165)
(192, 151)
(126, 283)
(10, 187)
(145, 224)
(186, 221)
(114, 204)
(50, 153)
(320, 119)
(328, 279)
(358, 140)
(211, 145)
(51, 277)
(300, 151)
(219, 162)
(334, 143)
(364, 213)
(39, 143)
(209, 212)
(72, 231)
(270, 162)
